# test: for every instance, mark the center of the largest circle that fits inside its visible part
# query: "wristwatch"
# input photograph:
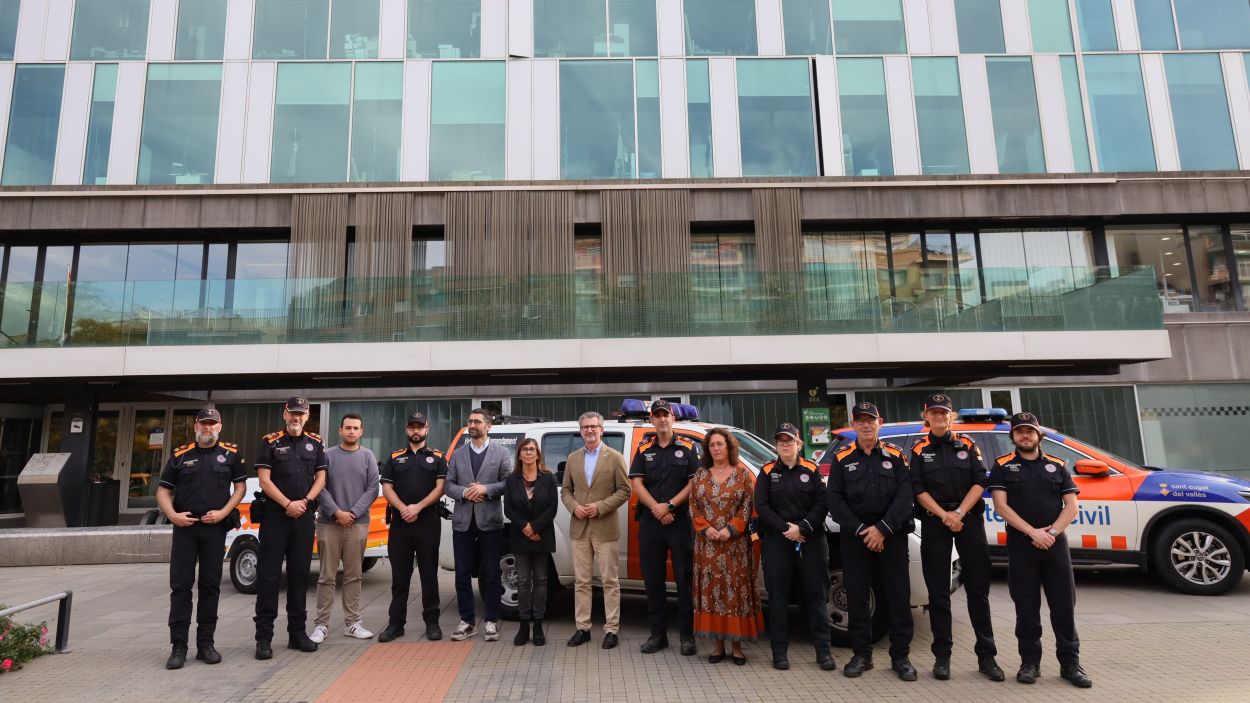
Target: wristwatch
(959, 512)
(1052, 532)
(672, 508)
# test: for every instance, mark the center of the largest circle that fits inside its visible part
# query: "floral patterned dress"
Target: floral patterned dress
(726, 599)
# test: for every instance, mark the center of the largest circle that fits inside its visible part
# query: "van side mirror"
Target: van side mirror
(560, 472)
(1092, 468)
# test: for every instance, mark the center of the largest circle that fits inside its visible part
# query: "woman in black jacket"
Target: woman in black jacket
(530, 504)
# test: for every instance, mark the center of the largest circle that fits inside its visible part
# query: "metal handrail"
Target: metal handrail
(66, 599)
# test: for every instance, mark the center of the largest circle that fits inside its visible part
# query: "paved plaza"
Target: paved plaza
(1139, 642)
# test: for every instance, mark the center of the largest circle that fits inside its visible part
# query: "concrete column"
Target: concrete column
(80, 412)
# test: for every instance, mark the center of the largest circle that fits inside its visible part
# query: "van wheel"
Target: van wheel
(508, 603)
(1198, 557)
(368, 563)
(839, 613)
(244, 571)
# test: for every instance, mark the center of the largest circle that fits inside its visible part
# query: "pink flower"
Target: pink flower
(43, 630)
(8, 664)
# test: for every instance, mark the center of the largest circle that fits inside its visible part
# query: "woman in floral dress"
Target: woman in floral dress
(726, 601)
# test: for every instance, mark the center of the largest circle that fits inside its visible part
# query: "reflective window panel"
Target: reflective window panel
(1160, 246)
(34, 116)
(1213, 24)
(100, 125)
(980, 25)
(467, 117)
(940, 116)
(179, 140)
(775, 117)
(310, 119)
(869, 27)
(1204, 130)
(109, 30)
(444, 29)
(8, 27)
(377, 109)
(570, 28)
(1117, 108)
(1051, 25)
(597, 120)
(1013, 106)
(354, 29)
(1097, 24)
(807, 27)
(1075, 104)
(866, 147)
(720, 27)
(647, 88)
(699, 118)
(291, 29)
(631, 28)
(1211, 272)
(201, 30)
(1155, 25)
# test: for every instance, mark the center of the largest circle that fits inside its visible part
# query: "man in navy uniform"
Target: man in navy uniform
(291, 465)
(1036, 496)
(199, 490)
(870, 497)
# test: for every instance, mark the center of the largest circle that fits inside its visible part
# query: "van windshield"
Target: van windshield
(752, 449)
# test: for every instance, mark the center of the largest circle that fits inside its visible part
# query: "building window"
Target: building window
(1240, 267)
(1035, 261)
(843, 267)
(109, 30)
(699, 118)
(1117, 107)
(444, 29)
(1051, 25)
(597, 138)
(1200, 427)
(310, 123)
(631, 28)
(869, 27)
(1155, 24)
(980, 26)
(1213, 24)
(1212, 278)
(354, 29)
(291, 29)
(467, 121)
(377, 121)
(775, 117)
(1204, 130)
(940, 116)
(807, 27)
(34, 117)
(429, 253)
(722, 273)
(587, 28)
(1013, 106)
(647, 89)
(201, 30)
(720, 27)
(8, 30)
(1162, 247)
(179, 141)
(100, 125)
(866, 146)
(1096, 24)
(1076, 114)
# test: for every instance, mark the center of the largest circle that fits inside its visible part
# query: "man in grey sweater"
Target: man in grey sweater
(343, 527)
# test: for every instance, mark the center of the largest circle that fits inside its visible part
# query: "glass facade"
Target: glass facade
(597, 132)
(1204, 130)
(1075, 104)
(100, 125)
(940, 116)
(647, 90)
(699, 118)
(866, 146)
(720, 27)
(1013, 106)
(631, 28)
(467, 121)
(1200, 427)
(444, 29)
(34, 115)
(179, 141)
(1155, 24)
(377, 110)
(869, 27)
(354, 29)
(1117, 108)
(110, 30)
(1097, 25)
(1051, 26)
(201, 30)
(585, 28)
(8, 29)
(310, 123)
(778, 133)
(980, 26)
(807, 27)
(291, 29)
(1213, 24)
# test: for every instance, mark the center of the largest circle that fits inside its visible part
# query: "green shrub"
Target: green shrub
(21, 643)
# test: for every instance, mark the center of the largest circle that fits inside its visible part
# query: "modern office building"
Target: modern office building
(544, 206)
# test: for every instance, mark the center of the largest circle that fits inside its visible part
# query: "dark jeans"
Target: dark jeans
(1029, 572)
(781, 560)
(291, 539)
(480, 550)
(405, 541)
(861, 569)
(203, 545)
(656, 545)
(531, 583)
(974, 558)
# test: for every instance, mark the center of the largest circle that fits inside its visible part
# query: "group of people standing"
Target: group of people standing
(699, 511)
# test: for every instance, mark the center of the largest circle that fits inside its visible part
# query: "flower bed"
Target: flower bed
(21, 643)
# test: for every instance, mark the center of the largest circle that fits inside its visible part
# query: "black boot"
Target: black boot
(208, 654)
(522, 634)
(177, 657)
(300, 641)
(540, 637)
(264, 650)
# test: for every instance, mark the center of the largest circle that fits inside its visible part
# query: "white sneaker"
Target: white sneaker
(358, 631)
(492, 631)
(319, 634)
(464, 631)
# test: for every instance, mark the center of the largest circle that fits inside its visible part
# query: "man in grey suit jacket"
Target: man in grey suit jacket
(476, 475)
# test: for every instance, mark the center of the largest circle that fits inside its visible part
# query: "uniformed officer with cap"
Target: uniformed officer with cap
(790, 503)
(949, 479)
(291, 466)
(199, 490)
(1036, 496)
(870, 497)
(660, 475)
(412, 482)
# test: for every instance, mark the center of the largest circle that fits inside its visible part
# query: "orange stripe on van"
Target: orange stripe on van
(1002, 538)
(1119, 542)
(1089, 541)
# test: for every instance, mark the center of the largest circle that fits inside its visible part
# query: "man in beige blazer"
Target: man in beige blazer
(595, 486)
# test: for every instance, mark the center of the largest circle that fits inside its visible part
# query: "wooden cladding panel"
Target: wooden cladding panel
(318, 235)
(383, 235)
(516, 233)
(778, 228)
(645, 231)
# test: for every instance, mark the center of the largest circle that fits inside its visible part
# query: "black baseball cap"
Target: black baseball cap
(418, 418)
(865, 409)
(208, 415)
(1026, 420)
(297, 404)
(661, 406)
(786, 428)
(939, 401)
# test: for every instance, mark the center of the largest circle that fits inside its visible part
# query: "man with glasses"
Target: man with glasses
(595, 486)
(199, 490)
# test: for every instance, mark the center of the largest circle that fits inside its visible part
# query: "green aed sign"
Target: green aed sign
(816, 432)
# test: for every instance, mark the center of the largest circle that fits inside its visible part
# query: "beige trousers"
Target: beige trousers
(585, 555)
(335, 544)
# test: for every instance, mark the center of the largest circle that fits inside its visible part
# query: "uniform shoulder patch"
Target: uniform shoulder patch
(184, 449)
(273, 436)
(398, 453)
(646, 443)
(768, 468)
(924, 442)
(229, 447)
(1004, 458)
(845, 452)
(684, 441)
(436, 453)
(967, 441)
(1054, 459)
(891, 449)
(315, 436)
(808, 464)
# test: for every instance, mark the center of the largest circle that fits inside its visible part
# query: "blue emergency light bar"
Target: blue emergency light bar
(634, 408)
(983, 414)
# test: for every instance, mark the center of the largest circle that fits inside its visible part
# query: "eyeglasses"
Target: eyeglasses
(591, 427)
(781, 442)
(529, 449)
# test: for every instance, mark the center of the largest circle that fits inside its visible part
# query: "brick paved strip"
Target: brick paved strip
(400, 672)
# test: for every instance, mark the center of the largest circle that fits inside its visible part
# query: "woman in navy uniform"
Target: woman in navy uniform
(199, 490)
(1036, 497)
(291, 465)
(949, 479)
